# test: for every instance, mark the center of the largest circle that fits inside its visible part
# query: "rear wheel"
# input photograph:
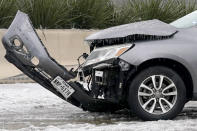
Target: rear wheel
(157, 93)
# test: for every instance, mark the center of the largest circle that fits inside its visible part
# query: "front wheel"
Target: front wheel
(157, 93)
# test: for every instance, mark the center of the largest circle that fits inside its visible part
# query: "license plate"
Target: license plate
(64, 88)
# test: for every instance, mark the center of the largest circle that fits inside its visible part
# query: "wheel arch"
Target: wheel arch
(178, 67)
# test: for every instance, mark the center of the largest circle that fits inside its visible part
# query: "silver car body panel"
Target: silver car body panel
(181, 48)
(22, 30)
(155, 28)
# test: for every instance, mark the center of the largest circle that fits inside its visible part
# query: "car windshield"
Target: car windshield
(187, 21)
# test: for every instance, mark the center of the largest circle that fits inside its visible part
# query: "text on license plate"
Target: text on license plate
(63, 87)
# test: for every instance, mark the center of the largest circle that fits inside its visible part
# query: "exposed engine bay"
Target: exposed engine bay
(104, 73)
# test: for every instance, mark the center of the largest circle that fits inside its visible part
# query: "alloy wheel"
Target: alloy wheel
(157, 94)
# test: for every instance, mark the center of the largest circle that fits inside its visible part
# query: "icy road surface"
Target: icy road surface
(29, 107)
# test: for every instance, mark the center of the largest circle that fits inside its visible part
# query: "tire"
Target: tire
(172, 90)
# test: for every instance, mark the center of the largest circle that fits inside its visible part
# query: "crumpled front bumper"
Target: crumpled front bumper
(45, 69)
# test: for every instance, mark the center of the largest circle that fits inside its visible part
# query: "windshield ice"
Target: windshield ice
(187, 21)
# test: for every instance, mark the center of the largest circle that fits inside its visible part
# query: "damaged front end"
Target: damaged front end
(25, 50)
(106, 74)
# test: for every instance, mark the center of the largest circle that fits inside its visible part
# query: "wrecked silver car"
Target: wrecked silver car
(148, 67)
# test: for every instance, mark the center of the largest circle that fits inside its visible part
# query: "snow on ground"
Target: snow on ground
(29, 107)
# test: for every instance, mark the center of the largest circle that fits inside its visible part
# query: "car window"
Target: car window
(187, 21)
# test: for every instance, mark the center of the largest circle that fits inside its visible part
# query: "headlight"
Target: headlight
(106, 53)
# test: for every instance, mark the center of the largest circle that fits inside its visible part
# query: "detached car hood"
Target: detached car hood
(145, 30)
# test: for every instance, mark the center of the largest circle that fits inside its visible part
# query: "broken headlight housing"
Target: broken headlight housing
(106, 53)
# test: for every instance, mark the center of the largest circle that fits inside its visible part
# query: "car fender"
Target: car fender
(143, 52)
